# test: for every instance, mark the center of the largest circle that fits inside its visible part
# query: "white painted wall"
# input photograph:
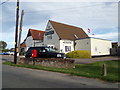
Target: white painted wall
(29, 42)
(64, 43)
(96, 46)
(83, 44)
(32, 43)
(55, 38)
(59, 44)
(38, 43)
(100, 47)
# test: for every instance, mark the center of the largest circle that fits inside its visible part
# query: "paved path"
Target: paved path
(17, 77)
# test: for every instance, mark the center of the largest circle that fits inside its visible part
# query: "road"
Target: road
(17, 77)
(6, 58)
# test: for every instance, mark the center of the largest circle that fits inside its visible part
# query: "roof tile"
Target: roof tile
(68, 32)
(36, 34)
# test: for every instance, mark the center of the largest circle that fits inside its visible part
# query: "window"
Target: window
(42, 50)
(67, 48)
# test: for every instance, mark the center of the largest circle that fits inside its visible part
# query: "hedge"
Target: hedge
(79, 54)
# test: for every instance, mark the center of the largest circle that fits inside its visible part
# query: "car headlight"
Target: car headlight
(59, 55)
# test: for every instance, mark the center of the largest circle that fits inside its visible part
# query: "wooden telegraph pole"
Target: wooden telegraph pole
(20, 31)
(16, 32)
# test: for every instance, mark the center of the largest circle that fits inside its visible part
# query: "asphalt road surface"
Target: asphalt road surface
(17, 77)
(6, 58)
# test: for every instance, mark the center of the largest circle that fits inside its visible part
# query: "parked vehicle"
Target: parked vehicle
(7, 53)
(10, 53)
(4, 53)
(43, 52)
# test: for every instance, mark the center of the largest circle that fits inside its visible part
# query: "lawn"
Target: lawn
(93, 70)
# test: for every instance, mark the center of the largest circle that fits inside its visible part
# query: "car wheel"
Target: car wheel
(26, 56)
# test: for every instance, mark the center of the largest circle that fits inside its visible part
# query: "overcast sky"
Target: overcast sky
(100, 17)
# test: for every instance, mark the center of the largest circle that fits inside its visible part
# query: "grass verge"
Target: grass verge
(93, 70)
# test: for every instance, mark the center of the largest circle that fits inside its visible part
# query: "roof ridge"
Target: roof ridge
(65, 24)
(35, 30)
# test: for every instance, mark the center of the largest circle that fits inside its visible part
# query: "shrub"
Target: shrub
(79, 54)
(5, 50)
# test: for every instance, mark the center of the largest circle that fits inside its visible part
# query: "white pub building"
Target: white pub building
(62, 36)
(65, 38)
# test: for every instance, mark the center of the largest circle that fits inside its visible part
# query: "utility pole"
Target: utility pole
(16, 32)
(20, 32)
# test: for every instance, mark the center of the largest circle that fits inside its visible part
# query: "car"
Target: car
(44, 52)
(4, 53)
(10, 53)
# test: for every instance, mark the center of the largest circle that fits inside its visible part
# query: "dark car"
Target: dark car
(44, 52)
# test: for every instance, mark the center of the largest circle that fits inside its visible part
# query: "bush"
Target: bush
(5, 50)
(79, 54)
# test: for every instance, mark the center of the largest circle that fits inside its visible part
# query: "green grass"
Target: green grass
(93, 70)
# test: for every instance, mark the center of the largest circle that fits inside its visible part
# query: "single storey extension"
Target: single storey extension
(95, 46)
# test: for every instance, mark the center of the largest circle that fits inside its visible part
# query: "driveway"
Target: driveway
(95, 59)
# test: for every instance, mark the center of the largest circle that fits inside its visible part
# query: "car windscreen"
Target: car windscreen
(50, 49)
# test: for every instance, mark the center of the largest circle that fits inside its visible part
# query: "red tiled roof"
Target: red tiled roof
(36, 34)
(68, 32)
(22, 45)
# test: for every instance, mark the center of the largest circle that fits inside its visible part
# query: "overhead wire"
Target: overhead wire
(62, 9)
(4, 2)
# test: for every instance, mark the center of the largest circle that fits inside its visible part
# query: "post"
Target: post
(104, 70)
(20, 32)
(16, 32)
